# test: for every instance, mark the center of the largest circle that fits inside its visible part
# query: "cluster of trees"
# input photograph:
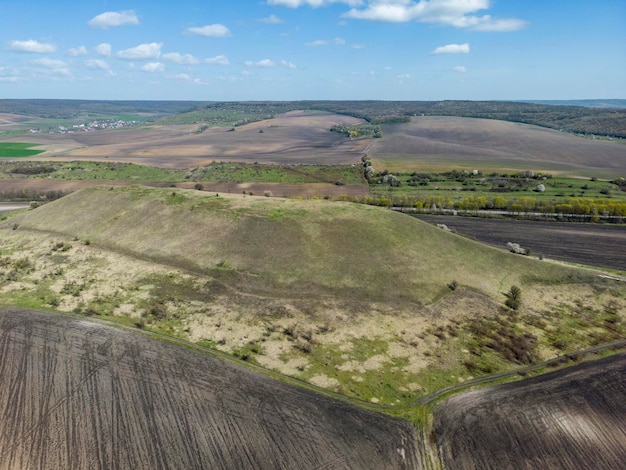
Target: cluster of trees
(359, 132)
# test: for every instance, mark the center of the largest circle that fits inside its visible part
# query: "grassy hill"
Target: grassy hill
(356, 299)
(284, 247)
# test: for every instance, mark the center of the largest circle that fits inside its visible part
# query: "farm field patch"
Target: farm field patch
(440, 143)
(79, 394)
(588, 244)
(18, 149)
(569, 419)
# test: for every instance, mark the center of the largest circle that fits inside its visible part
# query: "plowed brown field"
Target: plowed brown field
(433, 142)
(572, 419)
(77, 394)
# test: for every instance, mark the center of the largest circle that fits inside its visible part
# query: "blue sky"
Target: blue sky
(313, 49)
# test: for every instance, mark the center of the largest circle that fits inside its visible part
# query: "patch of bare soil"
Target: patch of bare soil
(467, 141)
(296, 137)
(574, 418)
(77, 394)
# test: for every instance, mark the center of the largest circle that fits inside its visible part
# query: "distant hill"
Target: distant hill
(585, 117)
(607, 104)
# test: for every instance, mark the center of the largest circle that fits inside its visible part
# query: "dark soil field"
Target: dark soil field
(77, 394)
(570, 419)
(486, 144)
(589, 244)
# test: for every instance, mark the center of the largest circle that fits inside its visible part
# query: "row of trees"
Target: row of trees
(593, 209)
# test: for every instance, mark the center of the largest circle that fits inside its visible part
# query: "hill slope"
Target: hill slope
(493, 144)
(287, 248)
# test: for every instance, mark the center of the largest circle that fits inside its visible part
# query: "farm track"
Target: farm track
(77, 394)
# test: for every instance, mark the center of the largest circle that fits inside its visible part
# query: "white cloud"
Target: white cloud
(453, 49)
(50, 63)
(77, 51)
(182, 76)
(287, 64)
(358, 46)
(272, 19)
(31, 46)
(217, 60)
(183, 59)
(322, 42)
(312, 3)
(153, 67)
(505, 25)
(141, 52)
(404, 76)
(110, 19)
(103, 49)
(97, 64)
(211, 30)
(460, 69)
(457, 13)
(260, 63)
(9, 79)
(57, 67)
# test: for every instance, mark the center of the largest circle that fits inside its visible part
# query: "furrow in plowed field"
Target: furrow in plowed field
(77, 394)
(570, 419)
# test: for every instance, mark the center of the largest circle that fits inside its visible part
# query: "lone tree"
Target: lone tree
(513, 297)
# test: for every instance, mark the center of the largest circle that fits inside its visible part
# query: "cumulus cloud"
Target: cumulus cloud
(287, 64)
(182, 76)
(453, 49)
(183, 59)
(153, 67)
(260, 63)
(312, 3)
(322, 42)
(31, 46)
(141, 52)
(111, 19)
(457, 13)
(77, 51)
(460, 69)
(272, 19)
(211, 30)
(217, 60)
(103, 49)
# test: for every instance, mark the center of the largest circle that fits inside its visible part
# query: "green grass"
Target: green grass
(18, 150)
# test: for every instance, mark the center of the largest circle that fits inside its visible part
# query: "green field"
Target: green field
(18, 150)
